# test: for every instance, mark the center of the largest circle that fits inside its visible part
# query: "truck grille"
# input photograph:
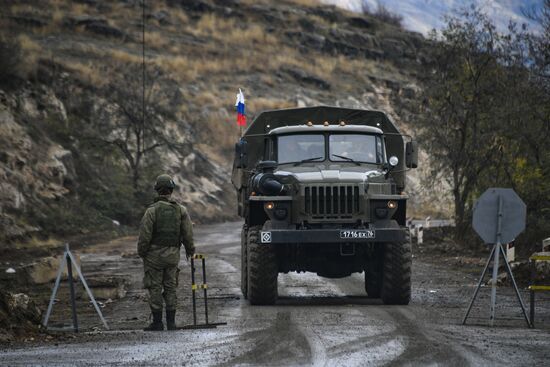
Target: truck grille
(328, 202)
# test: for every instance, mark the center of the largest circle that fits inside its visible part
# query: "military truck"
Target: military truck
(322, 189)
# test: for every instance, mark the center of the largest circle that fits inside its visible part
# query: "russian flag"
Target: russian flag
(241, 116)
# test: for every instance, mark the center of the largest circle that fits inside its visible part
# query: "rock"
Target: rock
(302, 76)
(199, 6)
(307, 40)
(45, 270)
(18, 311)
(305, 101)
(409, 91)
(360, 22)
(11, 229)
(105, 30)
(106, 288)
(28, 20)
(161, 16)
(98, 25)
(327, 13)
(51, 106)
(351, 43)
(11, 196)
(82, 20)
(394, 48)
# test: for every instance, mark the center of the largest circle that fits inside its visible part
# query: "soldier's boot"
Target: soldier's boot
(157, 324)
(171, 320)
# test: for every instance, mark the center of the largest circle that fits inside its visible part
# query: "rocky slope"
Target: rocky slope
(282, 54)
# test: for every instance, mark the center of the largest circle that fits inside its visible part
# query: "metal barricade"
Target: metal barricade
(204, 287)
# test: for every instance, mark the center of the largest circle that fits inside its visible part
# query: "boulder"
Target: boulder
(44, 270)
(17, 311)
(105, 288)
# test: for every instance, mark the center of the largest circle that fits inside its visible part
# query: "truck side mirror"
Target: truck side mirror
(241, 154)
(411, 154)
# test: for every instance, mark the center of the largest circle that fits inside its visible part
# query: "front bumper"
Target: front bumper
(321, 236)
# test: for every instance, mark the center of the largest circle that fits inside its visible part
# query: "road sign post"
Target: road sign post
(499, 216)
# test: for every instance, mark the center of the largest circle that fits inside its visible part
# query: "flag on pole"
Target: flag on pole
(241, 116)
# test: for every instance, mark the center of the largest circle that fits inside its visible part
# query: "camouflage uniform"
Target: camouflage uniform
(159, 247)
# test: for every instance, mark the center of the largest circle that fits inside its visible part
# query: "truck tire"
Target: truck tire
(244, 255)
(396, 279)
(373, 274)
(262, 270)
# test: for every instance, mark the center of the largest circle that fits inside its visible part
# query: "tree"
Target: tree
(485, 119)
(133, 118)
(455, 126)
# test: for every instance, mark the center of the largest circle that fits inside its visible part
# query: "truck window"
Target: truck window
(295, 148)
(359, 147)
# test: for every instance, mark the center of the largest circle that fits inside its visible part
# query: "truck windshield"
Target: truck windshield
(356, 147)
(297, 148)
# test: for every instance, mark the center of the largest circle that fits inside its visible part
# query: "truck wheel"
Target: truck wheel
(396, 279)
(373, 274)
(244, 270)
(262, 270)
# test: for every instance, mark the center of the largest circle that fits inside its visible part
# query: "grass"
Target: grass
(230, 32)
(157, 40)
(124, 57)
(259, 104)
(221, 48)
(27, 51)
(86, 72)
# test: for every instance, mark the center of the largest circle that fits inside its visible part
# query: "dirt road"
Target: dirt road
(317, 321)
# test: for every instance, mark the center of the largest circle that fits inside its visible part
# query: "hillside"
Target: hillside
(73, 64)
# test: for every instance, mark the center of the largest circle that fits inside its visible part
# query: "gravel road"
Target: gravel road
(317, 321)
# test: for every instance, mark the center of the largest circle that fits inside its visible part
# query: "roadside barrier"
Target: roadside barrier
(204, 287)
(69, 261)
(535, 288)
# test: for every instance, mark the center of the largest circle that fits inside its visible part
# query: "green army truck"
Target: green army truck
(322, 189)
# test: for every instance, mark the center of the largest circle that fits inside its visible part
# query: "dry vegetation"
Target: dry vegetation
(224, 51)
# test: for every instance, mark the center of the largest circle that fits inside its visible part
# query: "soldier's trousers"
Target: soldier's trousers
(161, 282)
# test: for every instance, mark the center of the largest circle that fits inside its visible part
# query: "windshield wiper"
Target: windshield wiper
(346, 158)
(307, 160)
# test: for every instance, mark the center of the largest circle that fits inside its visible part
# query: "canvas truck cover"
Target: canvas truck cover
(269, 120)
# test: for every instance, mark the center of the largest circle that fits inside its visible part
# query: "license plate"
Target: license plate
(357, 234)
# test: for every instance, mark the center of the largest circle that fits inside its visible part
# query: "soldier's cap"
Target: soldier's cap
(164, 181)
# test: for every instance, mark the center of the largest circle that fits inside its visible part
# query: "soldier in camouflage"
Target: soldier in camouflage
(165, 226)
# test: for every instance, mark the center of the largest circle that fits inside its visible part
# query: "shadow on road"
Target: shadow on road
(326, 301)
